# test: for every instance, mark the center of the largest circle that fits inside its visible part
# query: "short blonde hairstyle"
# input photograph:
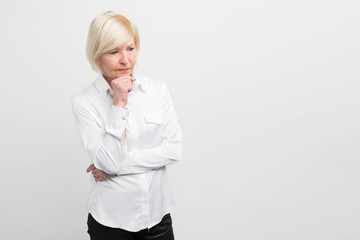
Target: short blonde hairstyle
(108, 31)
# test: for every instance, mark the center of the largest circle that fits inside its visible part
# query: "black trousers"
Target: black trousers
(161, 231)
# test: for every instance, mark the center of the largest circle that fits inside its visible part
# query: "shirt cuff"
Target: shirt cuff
(117, 121)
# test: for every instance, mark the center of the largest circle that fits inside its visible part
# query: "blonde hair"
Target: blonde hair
(108, 31)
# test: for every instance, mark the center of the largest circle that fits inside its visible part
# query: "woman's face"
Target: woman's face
(119, 61)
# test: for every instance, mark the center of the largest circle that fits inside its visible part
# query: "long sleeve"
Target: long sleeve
(141, 195)
(170, 149)
(103, 144)
(109, 152)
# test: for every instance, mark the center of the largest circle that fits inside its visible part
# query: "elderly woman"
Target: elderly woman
(128, 126)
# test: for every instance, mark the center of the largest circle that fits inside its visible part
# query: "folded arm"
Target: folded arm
(107, 148)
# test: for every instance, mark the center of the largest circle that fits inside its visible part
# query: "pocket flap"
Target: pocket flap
(154, 116)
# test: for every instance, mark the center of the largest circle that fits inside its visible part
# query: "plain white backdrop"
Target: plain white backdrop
(267, 94)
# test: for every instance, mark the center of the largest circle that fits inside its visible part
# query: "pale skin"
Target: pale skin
(117, 66)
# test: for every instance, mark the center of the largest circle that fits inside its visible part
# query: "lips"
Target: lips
(123, 69)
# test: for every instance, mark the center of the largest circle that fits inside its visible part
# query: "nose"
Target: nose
(123, 58)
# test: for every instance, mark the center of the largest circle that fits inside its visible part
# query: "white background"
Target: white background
(267, 94)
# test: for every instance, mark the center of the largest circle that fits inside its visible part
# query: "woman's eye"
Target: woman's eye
(130, 49)
(114, 52)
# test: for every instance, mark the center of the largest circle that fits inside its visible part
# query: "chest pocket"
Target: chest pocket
(153, 117)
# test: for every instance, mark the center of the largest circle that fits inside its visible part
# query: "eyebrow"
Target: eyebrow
(127, 46)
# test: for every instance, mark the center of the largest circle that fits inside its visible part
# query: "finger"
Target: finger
(91, 167)
(131, 78)
(123, 78)
(130, 87)
(122, 87)
(99, 178)
(97, 175)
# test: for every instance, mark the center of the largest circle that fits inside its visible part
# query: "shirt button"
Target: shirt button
(123, 117)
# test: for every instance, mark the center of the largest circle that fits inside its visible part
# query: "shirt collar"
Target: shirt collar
(103, 86)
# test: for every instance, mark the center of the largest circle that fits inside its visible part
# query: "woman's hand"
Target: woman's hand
(121, 87)
(99, 175)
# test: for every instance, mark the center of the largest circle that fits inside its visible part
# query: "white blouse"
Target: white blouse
(140, 195)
